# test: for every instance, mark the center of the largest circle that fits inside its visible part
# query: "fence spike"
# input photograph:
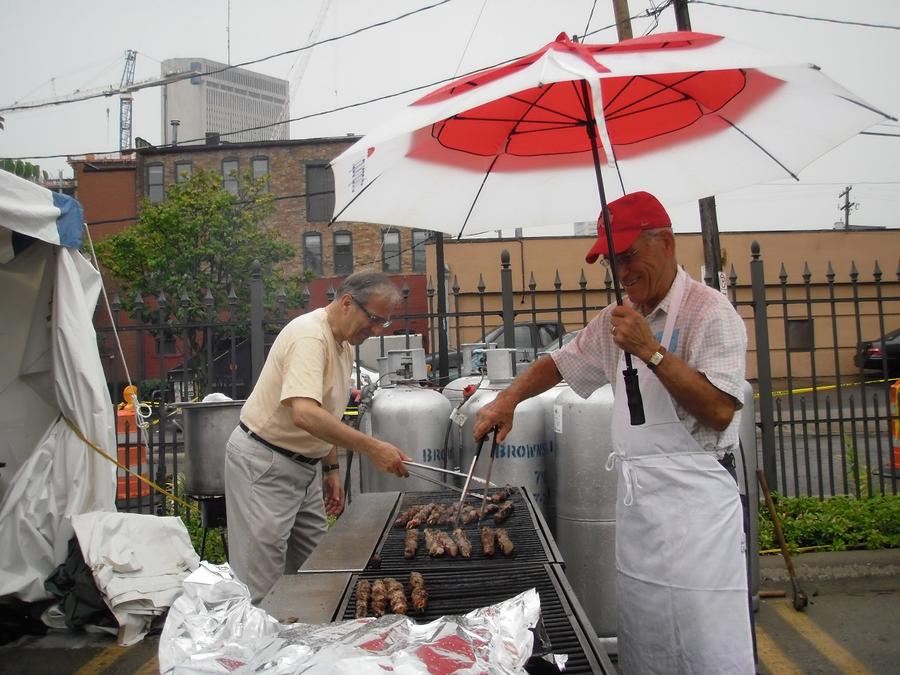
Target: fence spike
(877, 272)
(732, 276)
(455, 286)
(783, 275)
(405, 289)
(854, 273)
(557, 282)
(481, 285)
(582, 280)
(830, 273)
(806, 273)
(430, 287)
(161, 300)
(208, 300)
(532, 284)
(138, 302)
(232, 296)
(116, 303)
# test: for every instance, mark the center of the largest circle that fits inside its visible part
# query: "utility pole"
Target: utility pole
(847, 206)
(623, 19)
(709, 223)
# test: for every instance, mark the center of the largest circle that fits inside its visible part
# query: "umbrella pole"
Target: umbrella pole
(632, 388)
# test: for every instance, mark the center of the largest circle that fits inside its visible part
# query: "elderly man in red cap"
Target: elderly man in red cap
(681, 584)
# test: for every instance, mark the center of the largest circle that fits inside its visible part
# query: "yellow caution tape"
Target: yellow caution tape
(141, 478)
(825, 387)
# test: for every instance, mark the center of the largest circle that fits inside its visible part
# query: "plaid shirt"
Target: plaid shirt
(708, 334)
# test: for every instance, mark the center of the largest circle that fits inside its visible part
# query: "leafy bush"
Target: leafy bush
(833, 524)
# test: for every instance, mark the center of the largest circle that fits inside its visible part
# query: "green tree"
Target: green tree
(200, 241)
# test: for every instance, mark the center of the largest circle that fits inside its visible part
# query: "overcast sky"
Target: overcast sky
(53, 48)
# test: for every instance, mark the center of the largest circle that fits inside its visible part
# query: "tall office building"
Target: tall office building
(222, 103)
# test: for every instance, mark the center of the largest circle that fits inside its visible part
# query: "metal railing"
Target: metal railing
(824, 425)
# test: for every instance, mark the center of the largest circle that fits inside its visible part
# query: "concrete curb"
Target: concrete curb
(832, 565)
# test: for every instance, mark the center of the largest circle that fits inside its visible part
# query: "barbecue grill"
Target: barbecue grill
(364, 544)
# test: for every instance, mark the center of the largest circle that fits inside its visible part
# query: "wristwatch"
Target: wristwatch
(330, 467)
(657, 358)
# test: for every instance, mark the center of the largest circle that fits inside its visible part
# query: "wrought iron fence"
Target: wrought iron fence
(824, 424)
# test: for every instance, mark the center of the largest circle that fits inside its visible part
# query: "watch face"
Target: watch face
(655, 359)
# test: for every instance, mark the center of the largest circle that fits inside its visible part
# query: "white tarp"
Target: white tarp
(50, 372)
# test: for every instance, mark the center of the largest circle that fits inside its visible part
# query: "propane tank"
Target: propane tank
(409, 415)
(521, 458)
(470, 372)
(585, 504)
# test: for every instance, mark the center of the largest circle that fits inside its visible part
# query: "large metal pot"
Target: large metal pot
(207, 427)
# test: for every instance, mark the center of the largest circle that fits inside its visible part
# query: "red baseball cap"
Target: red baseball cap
(629, 215)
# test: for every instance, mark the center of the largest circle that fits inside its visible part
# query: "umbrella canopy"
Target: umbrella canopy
(683, 115)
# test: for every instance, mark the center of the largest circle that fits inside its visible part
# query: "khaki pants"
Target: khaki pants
(275, 512)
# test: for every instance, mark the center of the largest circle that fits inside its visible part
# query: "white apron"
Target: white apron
(681, 583)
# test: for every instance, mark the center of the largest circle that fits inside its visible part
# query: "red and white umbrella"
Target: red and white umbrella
(682, 115)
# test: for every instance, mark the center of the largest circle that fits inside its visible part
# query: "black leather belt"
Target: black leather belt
(293, 456)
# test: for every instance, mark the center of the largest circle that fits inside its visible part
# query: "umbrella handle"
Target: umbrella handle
(633, 391)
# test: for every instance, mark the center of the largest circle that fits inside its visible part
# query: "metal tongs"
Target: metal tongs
(471, 473)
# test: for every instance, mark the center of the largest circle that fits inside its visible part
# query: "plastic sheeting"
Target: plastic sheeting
(50, 369)
(139, 563)
(213, 628)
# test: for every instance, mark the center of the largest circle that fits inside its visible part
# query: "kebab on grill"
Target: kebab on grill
(447, 542)
(449, 514)
(503, 494)
(396, 595)
(490, 509)
(433, 543)
(437, 514)
(487, 545)
(421, 517)
(469, 514)
(417, 592)
(505, 542)
(362, 598)
(504, 512)
(411, 544)
(404, 517)
(379, 595)
(465, 546)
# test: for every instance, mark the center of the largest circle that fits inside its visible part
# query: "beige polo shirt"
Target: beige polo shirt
(305, 361)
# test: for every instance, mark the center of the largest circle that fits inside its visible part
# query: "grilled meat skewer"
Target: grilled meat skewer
(396, 596)
(504, 512)
(433, 543)
(417, 592)
(379, 595)
(487, 542)
(420, 517)
(465, 546)
(404, 517)
(503, 494)
(504, 541)
(362, 598)
(449, 545)
(411, 544)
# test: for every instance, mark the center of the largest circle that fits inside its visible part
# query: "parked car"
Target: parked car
(566, 339)
(528, 335)
(880, 353)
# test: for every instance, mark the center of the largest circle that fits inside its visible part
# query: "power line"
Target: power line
(148, 85)
(843, 22)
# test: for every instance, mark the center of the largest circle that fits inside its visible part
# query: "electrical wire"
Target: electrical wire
(843, 22)
(150, 85)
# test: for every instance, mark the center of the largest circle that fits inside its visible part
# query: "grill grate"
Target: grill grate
(454, 593)
(530, 546)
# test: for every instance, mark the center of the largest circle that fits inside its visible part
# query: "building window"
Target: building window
(230, 176)
(319, 192)
(260, 168)
(419, 237)
(155, 190)
(312, 253)
(343, 253)
(390, 251)
(183, 172)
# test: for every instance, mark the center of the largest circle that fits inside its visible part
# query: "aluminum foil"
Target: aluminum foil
(213, 628)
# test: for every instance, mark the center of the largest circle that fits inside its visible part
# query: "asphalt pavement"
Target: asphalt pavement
(851, 625)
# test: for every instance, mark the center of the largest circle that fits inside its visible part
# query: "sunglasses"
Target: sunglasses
(625, 257)
(374, 319)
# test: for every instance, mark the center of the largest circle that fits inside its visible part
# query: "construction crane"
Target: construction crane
(125, 99)
(299, 68)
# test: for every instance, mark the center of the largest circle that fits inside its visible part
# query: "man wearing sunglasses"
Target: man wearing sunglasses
(290, 424)
(681, 584)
